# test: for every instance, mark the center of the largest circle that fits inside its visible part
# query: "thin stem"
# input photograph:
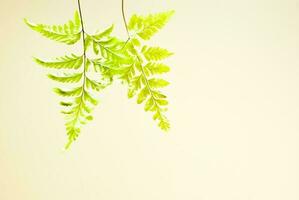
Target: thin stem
(84, 64)
(124, 17)
(83, 40)
(82, 25)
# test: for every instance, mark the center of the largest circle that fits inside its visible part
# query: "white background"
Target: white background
(234, 107)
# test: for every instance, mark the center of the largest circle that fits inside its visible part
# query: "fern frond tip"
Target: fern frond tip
(68, 144)
(26, 21)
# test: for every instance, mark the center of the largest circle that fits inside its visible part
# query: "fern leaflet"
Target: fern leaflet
(146, 26)
(68, 33)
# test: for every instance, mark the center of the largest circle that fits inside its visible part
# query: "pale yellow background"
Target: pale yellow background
(234, 108)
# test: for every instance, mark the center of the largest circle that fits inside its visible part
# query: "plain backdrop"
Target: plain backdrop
(234, 108)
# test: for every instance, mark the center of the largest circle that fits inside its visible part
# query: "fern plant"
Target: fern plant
(78, 85)
(146, 65)
(81, 78)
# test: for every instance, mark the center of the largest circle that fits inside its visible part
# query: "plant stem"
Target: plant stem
(83, 40)
(124, 17)
(82, 24)
(84, 65)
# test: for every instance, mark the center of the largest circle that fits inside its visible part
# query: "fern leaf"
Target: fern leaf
(139, 75)
(68, 33)
(105, 33)
(146, 26)
(67, 104)
(155, 53)
(157, 83)
(89, 98)
(73, 133)
(68, 93)
(146, 90)
(126, 60)
(142, 96)
(66, 62)
(79, 114)
(156, 68)
(114, 59)
(74, 78)
(110, 49)
(94, 85)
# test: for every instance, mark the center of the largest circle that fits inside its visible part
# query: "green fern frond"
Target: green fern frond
(66, 62)
(146, 26)
(155, 53)
(68, 93)
(106, 33)
(73, 78)
(144, 87)
(68, 33)
(81, 102)
(110, 48)
(94, 85)
(78, 90)
(113, 57)
(67, 104)
(157, 83)
(152, 68)
(89, 40)
(140, 74)
(88, 97)
(78, 111)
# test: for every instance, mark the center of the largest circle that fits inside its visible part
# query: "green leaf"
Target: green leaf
(68, 33)
(66, 62)
(137, 75)
(155, 100)
(68, 93)
(155, 53)
(73, 78)
(149, 104)
(89, 98)
(66, 103)
(88, 41)
(135, 42)
(96, 48)
(131, 92)
(157, 68)
(94, 85)
(104, 33)
(142, 95)
(157, 83)
(164, 124)
(72, 133)
(146, 26)
(158, 94)
(162, 102)
(77, 21)
(89, 117)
